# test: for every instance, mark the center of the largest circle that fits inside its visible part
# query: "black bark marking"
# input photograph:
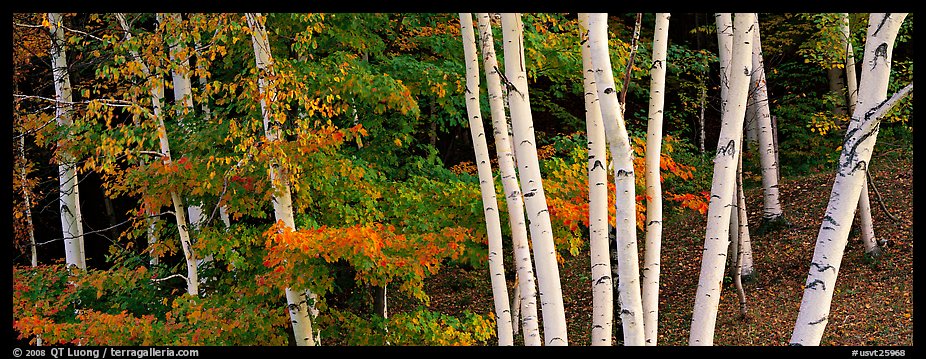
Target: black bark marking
(813, 285)
(653, 222)
(829, 219)
(656, 62)
(527, 141)
(554, 339)
(728, 149)
(821, 268)
(541, 211)
(880, 51)
(602, 279)
(715, 196)
(597, 164)
(883, 21)
(608, 91)
(624, 173)
(514, 194)
(818, 321)
(529, 194)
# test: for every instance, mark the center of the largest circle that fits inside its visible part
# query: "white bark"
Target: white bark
(299, 308)
(547, 269)
(850, 174)
(771, 210)
(69, 198)
(486, 184)
(628, 265)
(602, 284)
(739, 230)
(526, 282)
(33, 250)
(866, 223)
(183, 226)
(724, 24)
(723, 187)
(747, 270)
(651, 261)
(157, 96)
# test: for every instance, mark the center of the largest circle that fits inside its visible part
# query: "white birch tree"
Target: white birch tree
(69, 193)
(853, 162)
(628, 265)
(653, 245)
(547, 269)
(297, 300)
(772, 216)
(526, 286)
(486, 184)
(598, 242)
(723, 187)
(157, 101)
(866, 224)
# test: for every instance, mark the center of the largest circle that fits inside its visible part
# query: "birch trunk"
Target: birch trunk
(739, 231)
(864, 205)
(717, 236)
(724, 23)
(599, 246)
(771, 211)
(298, 301)
(486, 184)
(504, 151)
(547, 269)
(69, 194)
(628, 265)
(746, 269)
(33, 250)
(850, 174)
(157, 96)
(651, 254)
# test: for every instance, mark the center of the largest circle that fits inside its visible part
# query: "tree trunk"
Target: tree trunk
(380, 303)
(651, 254)
(157, 95)
(515, 305)
(634, 40)
(772, 217)
(836, 84)
(723, 187)
(69, 198)
(297, 300)
(504, 148)
(701, 120)
(724, 23)
(33, 250)
(602, 283)
(551, 294)
(850, 174)
(866, 223)
(625, 200)
(747, 271)
(486, 184)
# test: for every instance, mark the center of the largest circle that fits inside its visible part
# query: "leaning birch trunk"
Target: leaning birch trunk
(866, 223)
(547, 269)
(724, 23)
(653, 245)
(598, 242)
(850, 174)
(504, 151)
(772, 216)
(157, 96)
(486, 184)
(739, 231)
(628, 265)
(69, 198)
(298, 301)
(717, 236)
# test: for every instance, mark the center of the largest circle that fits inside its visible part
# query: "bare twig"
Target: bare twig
(170, 277)
(871, 183)
(104, 229)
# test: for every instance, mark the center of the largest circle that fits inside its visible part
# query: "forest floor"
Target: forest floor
(872, 305)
